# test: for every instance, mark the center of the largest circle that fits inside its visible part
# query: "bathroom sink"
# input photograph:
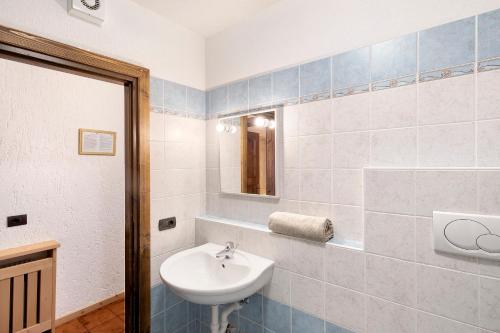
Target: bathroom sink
(199, 277)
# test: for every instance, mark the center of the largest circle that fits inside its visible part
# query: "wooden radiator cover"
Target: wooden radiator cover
(27, 288)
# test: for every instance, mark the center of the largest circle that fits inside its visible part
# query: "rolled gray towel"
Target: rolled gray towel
(319, 229)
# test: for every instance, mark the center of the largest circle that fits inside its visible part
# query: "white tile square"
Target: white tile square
(315, 152)
(390, 191)
(347, 223)
(184, 207)
(158, 184)
(428, 323)
(489, 304)
(156, 126)
(315, 117)
(279, 288)
(446, 101)
(345, 308)
(291, 120)
(307, 258)
(213, 232)
(391, 279)
(351, 150)
(396, 107)
(488, 143)
(445, 190)
(211, 134)
(212, 156)
(291, 153)
(489, 267)
(385, 317)
(315, 209)
(157, 155)
(390, 235)
(270, 245)
(315, 185)
(447, 145)
(488, 99)
(212, 179)
(448, 293)
(308, 295)
(291, 186)
(394, 148)
(489, 192)
(182, 181)
(345, 267)
(182, 155)
(351, 113)
(347, 187)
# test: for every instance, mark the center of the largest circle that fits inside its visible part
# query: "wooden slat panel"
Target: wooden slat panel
(4, 305)
(28, 249)
(46, 285)
(18, 304)
(34, 266)
(39, 328)
(31, 299)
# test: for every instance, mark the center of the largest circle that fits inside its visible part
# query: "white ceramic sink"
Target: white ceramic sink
(199, 277)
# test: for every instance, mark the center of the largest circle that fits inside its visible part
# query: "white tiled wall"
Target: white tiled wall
(328, 143)
(379, 163)
(177, 183)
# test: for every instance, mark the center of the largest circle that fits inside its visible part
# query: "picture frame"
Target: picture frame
(96, 142)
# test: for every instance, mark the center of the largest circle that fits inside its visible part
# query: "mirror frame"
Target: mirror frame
(278, 153)
(38, 51)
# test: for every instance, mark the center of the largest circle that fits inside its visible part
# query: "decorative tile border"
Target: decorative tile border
(351, 91)
(447, 73)
(399, 82)
(176, 99)
(327, 77)
(488, 65)
(396, 58)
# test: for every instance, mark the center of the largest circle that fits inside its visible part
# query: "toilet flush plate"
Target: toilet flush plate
(467, 234)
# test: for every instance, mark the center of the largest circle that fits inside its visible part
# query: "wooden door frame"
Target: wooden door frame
(24, 47)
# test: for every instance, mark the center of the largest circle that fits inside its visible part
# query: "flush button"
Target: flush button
(463, 233)
(467, 234)
(489, 243)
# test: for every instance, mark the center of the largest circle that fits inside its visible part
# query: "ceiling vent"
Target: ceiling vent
(89, 10)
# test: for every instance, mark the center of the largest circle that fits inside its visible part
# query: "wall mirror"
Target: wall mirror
(250, 147)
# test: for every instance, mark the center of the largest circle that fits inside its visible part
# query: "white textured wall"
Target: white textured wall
(130, 33)
(293, 31)
(76, 200)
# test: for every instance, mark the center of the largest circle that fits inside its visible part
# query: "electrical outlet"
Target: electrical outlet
(168, 223)
(15, 221)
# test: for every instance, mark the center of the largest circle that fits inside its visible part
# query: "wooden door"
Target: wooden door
(270, 162)
(252, 163)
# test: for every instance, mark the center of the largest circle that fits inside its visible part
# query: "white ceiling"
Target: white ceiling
(206, 17)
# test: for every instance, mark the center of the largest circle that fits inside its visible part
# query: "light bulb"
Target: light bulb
(233, 129)
(261, 122)
(220, 127)
(272, 124)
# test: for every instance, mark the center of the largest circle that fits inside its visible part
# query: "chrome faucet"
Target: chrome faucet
(227, 252)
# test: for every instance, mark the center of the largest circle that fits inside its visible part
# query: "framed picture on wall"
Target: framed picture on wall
(96, 142)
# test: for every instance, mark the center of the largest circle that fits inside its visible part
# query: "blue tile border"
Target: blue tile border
(351, 69)
(489, 35)
(394, 58)
(443, 51)
(315, 77)
(260, 315)
(447, 45)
